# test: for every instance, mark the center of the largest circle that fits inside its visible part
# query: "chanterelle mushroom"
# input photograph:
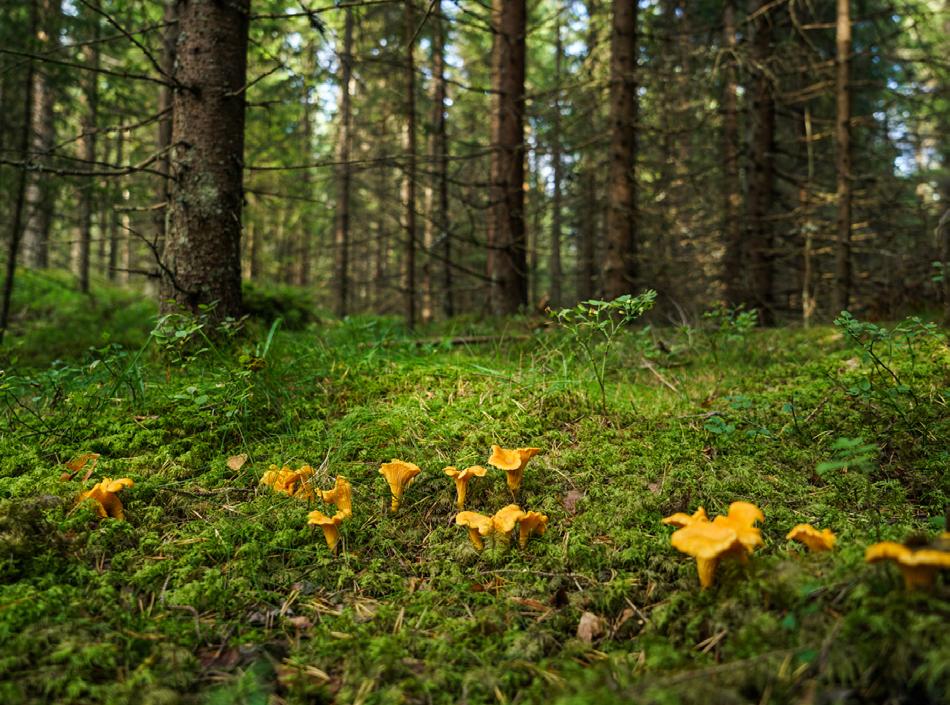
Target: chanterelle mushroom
(107, 501)
(399, 474)
(462, 478)
(741, 519)
(918, 563)
(340, 496)
(531, 522)
(330, 526)
(512, 462)
(479, 526)
(289, 482)
(680, 519)
(816, 540)
(707, 542)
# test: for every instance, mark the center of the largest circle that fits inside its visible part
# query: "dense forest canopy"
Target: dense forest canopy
(789, 156)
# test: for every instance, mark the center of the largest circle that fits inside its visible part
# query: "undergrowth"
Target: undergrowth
(215, 590)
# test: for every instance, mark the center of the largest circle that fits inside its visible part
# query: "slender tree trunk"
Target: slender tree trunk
(163, 165)
(441, 156)
(555, 261)
(507, 265)
(809, 300)
(87, 151)
(762, 186)
(341, 238)
(842, 290)
(589, 213)
(732, 196)
(40, 194)
(620, 268)
(18, 208)
(117, 193)
(409, 183)
(203, 248)
(305, 227)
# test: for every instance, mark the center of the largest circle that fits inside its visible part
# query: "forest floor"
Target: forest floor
(215, 590)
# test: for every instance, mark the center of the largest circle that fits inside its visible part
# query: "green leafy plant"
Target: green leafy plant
(728, 326)
(594, 326)
(849, 454)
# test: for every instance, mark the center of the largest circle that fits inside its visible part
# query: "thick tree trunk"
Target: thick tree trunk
(733, 270)
(555, 261)
(842, 290)
(620, 266)
(202, 259)
(587, 264)
(169, 49)
(507, 256)
(762, 180)
(19, 206)
(40, 195)
(87, 152)
(409, 182)
(341, 236)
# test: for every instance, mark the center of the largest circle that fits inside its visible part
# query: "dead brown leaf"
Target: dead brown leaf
(571, 499)
(236, 462)
(78, 463)
(590, 627)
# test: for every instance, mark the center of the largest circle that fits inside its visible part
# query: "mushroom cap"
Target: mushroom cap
(705, 540)
(318, 518)
(741, 519)
(104, 493)
(110, 485)
(745, 512)
(816, 540)
(399, 473)
(467, 473)
(907, 556)
(474, 520)
(511, 459)
(680, 519)
(505, 519)
(286, 480)
(534, 521)
(341, 496)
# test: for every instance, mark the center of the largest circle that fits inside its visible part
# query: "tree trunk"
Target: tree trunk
(87, 152)
(733, 271)
(341, 237)
(18, 208)
(555, 261)
(117, 192)
(169, 49)
(842, 290)
(620, 268)
(40, 196)
(507, 255)
(587, 254)
(441, 156)
(762, 186)
(202, 250)
(409, 182)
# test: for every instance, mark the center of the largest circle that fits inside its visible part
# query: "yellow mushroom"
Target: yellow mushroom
(681, 519)
(505, 519)
(340, 496)
(531, 522)
(708, 543)
(816, 540)
(479, 526)
(918, 564)
(399, 474)
(741, 519)
(512, 462)
(330, 526)
(462, 478)
(107, 501)
(289, 482)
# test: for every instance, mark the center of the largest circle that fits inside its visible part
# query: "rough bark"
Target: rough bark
(16, 231)
(87, 152)
(620, 266)
(762, 178)
(842, 289)
(40, 194)
(114, 216)
(163, 165)
(341, 236)
(587, 264)
(202, 258)
(409, 181)
(556, 167)
(441, 157)
(507, 255)
(731, 191)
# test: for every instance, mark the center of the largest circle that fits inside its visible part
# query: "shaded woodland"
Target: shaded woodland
(429, 159)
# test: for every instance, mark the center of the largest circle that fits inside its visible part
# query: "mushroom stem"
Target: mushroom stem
(476, 538)
(461, 486)
(332, 534)
(918, 577)
(707, 570)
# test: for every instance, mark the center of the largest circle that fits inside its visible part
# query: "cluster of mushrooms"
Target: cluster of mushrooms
(730, 536)
(399, 474)
(736, 536)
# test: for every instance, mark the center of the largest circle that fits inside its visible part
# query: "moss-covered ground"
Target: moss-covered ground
(215, 590)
